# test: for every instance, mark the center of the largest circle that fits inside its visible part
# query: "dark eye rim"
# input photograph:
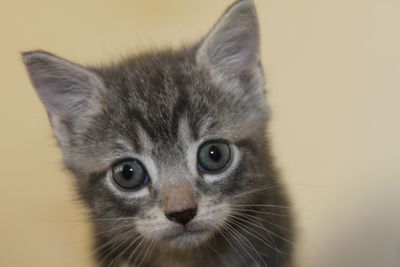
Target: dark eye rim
(146, 179)
(210, 141)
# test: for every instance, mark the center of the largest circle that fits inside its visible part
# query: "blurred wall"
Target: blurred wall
(334, 86)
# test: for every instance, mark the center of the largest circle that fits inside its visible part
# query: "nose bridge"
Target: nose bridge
(177, 196)
(175, 183)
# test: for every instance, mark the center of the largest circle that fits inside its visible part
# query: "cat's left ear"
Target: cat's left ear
(66, 89)
(232, 47)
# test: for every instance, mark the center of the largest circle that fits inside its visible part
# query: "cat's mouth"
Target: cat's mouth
(184, 233)
(185, 237)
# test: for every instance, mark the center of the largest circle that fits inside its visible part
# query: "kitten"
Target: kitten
(170, 153)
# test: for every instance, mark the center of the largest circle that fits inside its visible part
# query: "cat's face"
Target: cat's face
(167, 143)
(164, 145)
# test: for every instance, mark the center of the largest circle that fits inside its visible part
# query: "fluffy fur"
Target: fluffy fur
(159, 108)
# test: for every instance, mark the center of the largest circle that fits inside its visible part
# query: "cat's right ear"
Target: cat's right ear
(64, 88)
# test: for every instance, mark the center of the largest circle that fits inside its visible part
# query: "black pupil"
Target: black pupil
(127, 171)
(214, 153)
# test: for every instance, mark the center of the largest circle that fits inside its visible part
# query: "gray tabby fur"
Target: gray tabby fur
(158, 107)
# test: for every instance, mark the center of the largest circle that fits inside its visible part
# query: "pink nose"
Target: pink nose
(182, 217)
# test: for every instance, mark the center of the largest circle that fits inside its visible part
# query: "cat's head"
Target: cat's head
(163, 145)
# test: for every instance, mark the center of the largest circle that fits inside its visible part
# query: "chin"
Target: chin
(187, 239)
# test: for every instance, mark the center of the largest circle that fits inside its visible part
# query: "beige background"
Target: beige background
(334, 81)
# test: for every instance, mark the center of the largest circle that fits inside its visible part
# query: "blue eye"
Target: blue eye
(214, 156)
(130, 174)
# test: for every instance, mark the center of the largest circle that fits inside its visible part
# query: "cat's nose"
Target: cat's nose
(182, 217)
